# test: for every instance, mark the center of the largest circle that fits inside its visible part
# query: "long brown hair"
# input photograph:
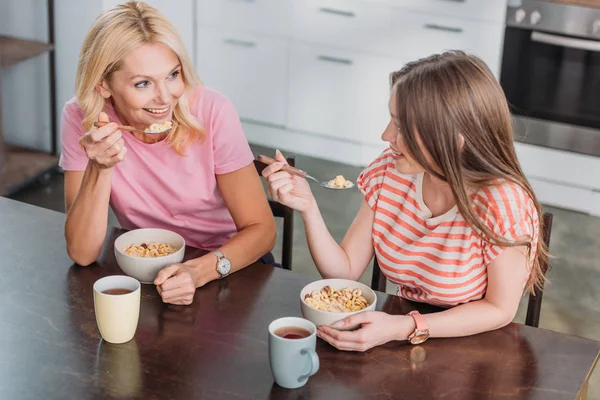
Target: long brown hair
(113, 35)
(445, 94)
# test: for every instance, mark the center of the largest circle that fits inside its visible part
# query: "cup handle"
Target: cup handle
(314, 363)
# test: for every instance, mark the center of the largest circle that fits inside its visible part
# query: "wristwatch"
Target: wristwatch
(421, 332)
(223, 264)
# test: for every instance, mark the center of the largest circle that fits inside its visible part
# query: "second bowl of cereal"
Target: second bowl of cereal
(141, 253)
(327, 301)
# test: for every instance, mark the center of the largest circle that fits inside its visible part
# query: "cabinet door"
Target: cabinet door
(258, 16)
(494, 10)
(251, 70)
(338, 93)
(419, 35)
(348, 24)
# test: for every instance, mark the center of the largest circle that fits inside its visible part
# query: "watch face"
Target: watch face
(224, 266)
(419, 338)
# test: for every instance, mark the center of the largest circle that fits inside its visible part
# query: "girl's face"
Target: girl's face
(405, 164)
(147, 87)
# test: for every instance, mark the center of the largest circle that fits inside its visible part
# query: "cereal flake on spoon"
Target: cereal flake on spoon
(339, 182)
(159, 127)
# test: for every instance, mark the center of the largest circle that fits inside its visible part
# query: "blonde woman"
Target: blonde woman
(198, 179)
(447, 210)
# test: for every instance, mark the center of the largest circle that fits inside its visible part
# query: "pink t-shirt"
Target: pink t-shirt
(154, 187)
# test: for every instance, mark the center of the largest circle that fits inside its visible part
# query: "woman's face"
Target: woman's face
(147, 87)
(405, 164)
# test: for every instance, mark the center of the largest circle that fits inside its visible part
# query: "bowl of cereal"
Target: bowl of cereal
(327, 301)
(141, 253)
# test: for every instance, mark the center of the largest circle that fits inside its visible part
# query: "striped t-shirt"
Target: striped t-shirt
(440, 260)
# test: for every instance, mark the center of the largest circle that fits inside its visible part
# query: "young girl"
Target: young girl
(198, 179)
(447, 210)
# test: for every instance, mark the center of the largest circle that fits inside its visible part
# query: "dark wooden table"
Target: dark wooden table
(217, 348)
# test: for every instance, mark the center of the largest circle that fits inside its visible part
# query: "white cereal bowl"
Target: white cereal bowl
(145, 269)
(327, 318)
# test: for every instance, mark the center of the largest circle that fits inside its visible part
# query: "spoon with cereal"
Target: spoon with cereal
(153, 129)
(338, 183)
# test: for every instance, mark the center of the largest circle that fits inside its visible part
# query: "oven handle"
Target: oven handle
(574, 43)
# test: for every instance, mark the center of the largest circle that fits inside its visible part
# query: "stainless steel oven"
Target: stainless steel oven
(551, 74)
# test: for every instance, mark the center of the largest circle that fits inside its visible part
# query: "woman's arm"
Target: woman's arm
(86, 202)
(347, 260)
(87, 193)
(246, 201)
(506, 276)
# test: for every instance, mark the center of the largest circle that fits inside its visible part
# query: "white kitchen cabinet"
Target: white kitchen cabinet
(258, 16)
(488, 10)
(556, 185)
(251, 70)
(339, 93)
(549, 164)
(437, 34)
(348, 24)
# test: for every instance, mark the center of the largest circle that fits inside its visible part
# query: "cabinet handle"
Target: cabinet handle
(443, 28)
(452, 1)
(336, 60)
(245, 1)
(342, 13)
(240, 43)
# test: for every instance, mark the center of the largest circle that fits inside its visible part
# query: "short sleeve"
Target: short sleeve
(72, 157)
(370, 180)
(230, 146)
(511, 215)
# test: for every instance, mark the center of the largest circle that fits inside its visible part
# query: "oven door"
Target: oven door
(550, 78)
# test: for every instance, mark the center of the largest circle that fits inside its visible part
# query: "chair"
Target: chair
(534, 306)
(285, 212)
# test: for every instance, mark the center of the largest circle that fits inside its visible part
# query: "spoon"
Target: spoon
(99, 124)
(298, 172)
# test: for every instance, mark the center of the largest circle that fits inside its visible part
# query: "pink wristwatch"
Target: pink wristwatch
(421, 332)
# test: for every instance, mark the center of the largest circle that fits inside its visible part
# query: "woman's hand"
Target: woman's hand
(376, 329)
(104, 146)
(291, 191)
(176, 283)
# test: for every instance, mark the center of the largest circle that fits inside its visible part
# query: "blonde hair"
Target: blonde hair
(444, 94)
(115, 34)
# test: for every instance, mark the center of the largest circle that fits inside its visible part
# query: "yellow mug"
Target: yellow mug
(117, 307)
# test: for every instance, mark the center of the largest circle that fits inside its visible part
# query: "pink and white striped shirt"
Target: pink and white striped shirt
(440, 260)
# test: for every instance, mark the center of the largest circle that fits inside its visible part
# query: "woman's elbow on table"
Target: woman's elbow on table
(83, 258)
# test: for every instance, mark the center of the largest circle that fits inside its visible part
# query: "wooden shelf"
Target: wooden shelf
(22, 167)
(14, 50)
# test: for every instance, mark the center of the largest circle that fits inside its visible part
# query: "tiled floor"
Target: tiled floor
(571, 302)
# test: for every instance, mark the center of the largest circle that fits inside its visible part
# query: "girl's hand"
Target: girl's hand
(376, 329)
(289, 190)
(104, 147)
